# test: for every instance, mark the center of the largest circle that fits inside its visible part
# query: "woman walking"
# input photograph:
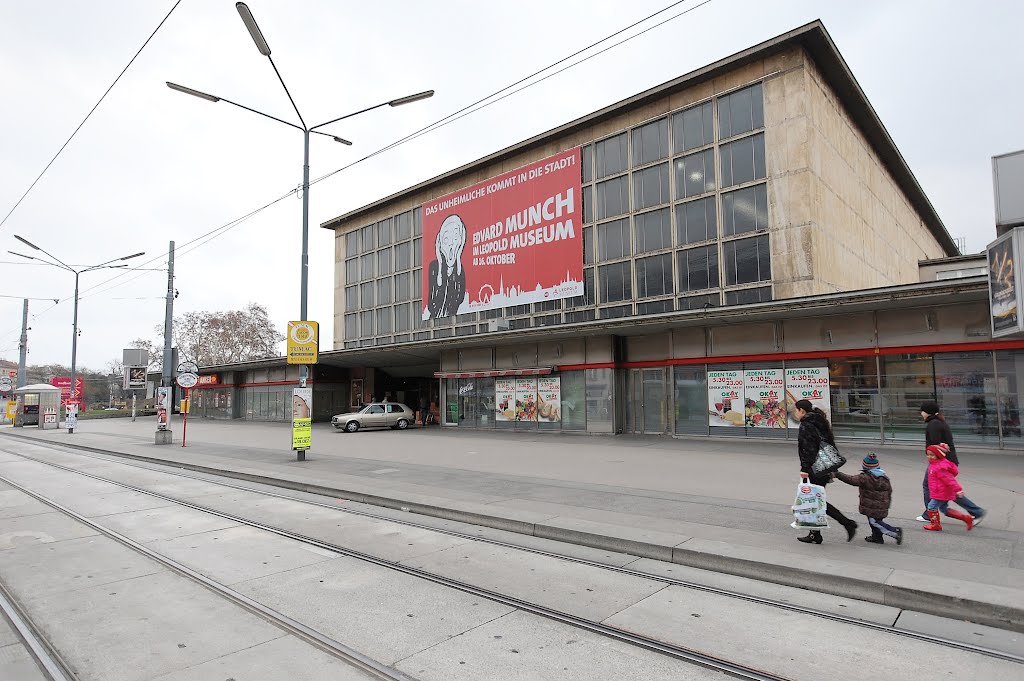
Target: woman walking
(937, 431)
(815, 429)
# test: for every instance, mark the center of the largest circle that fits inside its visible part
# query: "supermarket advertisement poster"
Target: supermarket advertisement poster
(526, 399)
(763, 404)
(549, 399)
(505, 399)
(808, 384)
(725, 398)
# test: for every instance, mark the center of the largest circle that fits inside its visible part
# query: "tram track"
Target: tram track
(682, 653)
(50, 663)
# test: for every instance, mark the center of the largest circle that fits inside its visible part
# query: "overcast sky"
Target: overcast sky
(152, 165)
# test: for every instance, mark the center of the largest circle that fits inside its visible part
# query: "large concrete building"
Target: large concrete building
(749, 221)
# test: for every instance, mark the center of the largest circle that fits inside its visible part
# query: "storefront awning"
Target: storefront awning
(536, 371)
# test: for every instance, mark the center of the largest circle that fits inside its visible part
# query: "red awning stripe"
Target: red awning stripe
(537, 371)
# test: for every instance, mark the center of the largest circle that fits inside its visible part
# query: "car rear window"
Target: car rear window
(394, 408)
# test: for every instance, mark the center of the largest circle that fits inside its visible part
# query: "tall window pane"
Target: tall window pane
(653, 231)
(698, 268)
(384, 291)
(351, 326)
(747, 261)
(403, 226)
(743, 160)
(692, 128)
(385, 321)
(695, 174)
(588, 245)
(616, 282)
(384, 261)
(588, 204)
(402, 288)
(612, 155)
(366, 268)
(588, 291)
(417, 252)
(352, 271)
(403, 256)
(588, 163)
(650, 186)
(366, 296)
(368, 238)
(654, 276)
(613, 198)
(384, 232)
(741, 111)
(352, 243)
(351, 298)
(366, 323)
(403, 317)
(745, 210)
(613, 239)
(695, 221)
(650, 142)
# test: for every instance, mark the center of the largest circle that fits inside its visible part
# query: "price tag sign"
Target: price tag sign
(187, 380)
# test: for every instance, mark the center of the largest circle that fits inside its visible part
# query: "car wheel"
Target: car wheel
(402, 424)
(351, 426)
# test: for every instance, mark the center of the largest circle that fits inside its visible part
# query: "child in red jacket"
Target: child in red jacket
(943, 487)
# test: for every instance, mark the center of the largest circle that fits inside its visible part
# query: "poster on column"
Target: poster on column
(808, 384)
(526, 398)
(725, 398)
(549, 399)
(513, 239)
(763, 402)
(505, 399)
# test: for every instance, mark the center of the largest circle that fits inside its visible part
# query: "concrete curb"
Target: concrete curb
(989, 605)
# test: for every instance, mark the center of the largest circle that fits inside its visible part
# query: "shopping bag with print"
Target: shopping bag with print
(809, 507)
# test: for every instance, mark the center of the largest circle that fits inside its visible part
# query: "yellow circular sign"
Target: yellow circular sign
(302, 333)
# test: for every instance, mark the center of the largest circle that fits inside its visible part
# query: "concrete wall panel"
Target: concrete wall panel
(744, 339)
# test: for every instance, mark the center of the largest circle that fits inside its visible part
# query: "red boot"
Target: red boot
(960, 515)
(935, 521)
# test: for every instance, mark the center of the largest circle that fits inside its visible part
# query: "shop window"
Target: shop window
(762, 294)
(352, 271)
(654, 276)
(351, 298)
(650, 142)
(366, 296)
(695, 174)
(588, 163)
(650, 186)
(692, 128)
(654, 307)
(742, 160)
(613, 198)
(975, 402)
(747, 261)
(740, 112)
(613, 240)
(403, 226)
(1006, 415)
(612, 156)
(384, 291)
(403, 256)
(698, 268)
(745, 210)
(573, 400)
(616, 282)
(695, 221)
(653, 231)
(352, 243)
(351, 326)
(368, 238)
(691, 403)
(600, 402)
(384, 262)
(384, 232)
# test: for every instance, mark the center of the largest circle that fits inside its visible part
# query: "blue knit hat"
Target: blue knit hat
(870, 462)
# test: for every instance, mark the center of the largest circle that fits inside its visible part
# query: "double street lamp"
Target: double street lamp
(264, 49)
(57, 262)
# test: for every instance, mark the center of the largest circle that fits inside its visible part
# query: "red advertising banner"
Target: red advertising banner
(513, 239)
(64, 383)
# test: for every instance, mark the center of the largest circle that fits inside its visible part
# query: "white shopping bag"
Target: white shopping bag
(809, 507)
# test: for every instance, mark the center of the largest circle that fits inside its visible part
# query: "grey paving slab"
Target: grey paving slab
(240, 553)
(99, 505)
(166, 522)
(14, 503)
(40, 528)
(49, 480)
(38, 570)
(283, 658)
(795, 645)
(573, 588)
(380, 612)
(524, 647)
(144, 627)
(848, 607)
(16, 664)
(967, 632)
(7, 634)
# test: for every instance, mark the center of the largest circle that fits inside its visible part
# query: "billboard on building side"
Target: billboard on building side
(511, 240)
(1004, 284)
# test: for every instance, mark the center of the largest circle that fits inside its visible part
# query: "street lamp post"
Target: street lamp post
(264, 49)
(74, 326)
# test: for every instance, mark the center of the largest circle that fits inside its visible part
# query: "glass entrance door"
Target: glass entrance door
(647, 408)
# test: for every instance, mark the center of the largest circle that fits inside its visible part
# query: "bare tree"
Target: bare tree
(212, 338)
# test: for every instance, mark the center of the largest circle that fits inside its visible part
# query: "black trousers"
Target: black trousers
(837, 515)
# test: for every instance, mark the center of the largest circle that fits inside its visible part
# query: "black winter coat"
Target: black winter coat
(813, 430)
(937, 431)
(875, 493)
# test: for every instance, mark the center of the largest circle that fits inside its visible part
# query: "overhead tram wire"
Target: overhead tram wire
(464, 111)
(88, 115)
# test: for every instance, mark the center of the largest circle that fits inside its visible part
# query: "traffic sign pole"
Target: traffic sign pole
(184, 417)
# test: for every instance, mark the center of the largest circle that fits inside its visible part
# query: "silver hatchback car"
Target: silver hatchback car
(392, 415)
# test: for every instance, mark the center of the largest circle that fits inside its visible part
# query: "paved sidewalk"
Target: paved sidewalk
(715, 504)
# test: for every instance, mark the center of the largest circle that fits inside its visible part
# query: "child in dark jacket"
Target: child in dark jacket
(875, 497)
